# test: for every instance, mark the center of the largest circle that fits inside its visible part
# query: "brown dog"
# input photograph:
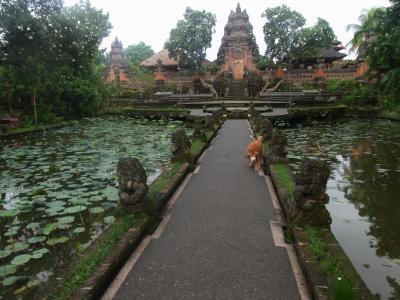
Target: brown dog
(254, 153)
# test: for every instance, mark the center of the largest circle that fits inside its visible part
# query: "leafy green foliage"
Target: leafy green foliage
(284, 177)
(136, 53)
(263, 63)
(281, 31)
(377, 39)
(352, 92)
(190, 39)
(341, 287)
(45, 49)
(288, 41)
(21, 259)
(90, 260)
(211, 68)
(313, 39)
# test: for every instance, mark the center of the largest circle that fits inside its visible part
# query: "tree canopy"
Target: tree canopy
(136, 53)
(377, 40)
(281, 31)
(190, 39)
(313, 39)
(288, 40)
(46, 49)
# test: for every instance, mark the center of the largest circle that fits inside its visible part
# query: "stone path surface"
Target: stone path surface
(276, 112)
(218, 243)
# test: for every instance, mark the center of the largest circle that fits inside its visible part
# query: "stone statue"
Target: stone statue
(132, 181)
(181, 144)
(310, 198)
(266, 129)
(277, 148)
(200, 128)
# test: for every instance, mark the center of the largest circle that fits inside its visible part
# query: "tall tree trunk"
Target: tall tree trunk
(34, 107)
(9, 101)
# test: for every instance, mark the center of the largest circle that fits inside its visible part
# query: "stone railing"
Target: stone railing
(311, 75)
(178, 79)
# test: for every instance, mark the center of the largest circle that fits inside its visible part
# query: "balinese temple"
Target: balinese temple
(333, 54)
(118, 70)
(161, 64)
(329, 58)
(238, 51)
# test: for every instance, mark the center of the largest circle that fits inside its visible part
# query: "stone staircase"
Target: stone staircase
(286, 99)
(236, 92)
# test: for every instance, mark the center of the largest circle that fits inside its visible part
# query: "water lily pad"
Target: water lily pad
(36, 239)
(64, 226)
(12, 231)
(75, 209)
(78, 202)
(58, 240)
(39, 253)
(9, 213)
(4, 253)
(96, 210)
(56, 203)
(49, 228)
(96, 198)
(7, 270)
(12, 279)
(33, 283)
(33, 225)
(21, 259)
(79, 230)
(20, 290)
(18, 246)
(66, 220)
(109, 219)
(108, 205)
(53, 211)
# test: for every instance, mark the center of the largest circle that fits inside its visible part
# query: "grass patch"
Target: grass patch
(90, 260)
(197, 147)
(341, 287)
(284, 178)
(160, 186)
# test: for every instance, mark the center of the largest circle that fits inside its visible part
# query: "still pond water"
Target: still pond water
(58, 193)
(364, 190)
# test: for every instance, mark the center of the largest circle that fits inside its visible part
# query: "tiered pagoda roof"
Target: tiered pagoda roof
(158, 58)
(238, 32)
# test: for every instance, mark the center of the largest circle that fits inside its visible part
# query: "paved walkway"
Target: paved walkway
(218, 243)
(276, 112)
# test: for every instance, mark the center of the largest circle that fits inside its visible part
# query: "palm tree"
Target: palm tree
(365, 32)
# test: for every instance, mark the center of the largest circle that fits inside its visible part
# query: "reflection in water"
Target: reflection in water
(364, 195)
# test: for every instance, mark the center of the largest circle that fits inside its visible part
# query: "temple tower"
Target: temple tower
(238, 51)
(118, 70)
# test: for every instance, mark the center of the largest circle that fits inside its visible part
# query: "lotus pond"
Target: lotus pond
(364, 156)
(58, 192)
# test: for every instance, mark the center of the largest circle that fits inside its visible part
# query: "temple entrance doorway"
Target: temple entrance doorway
(238, 70)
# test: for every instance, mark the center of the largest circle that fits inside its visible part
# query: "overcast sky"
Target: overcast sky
(150, 21)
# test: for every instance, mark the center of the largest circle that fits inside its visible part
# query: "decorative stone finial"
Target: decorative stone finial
(238, 9)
